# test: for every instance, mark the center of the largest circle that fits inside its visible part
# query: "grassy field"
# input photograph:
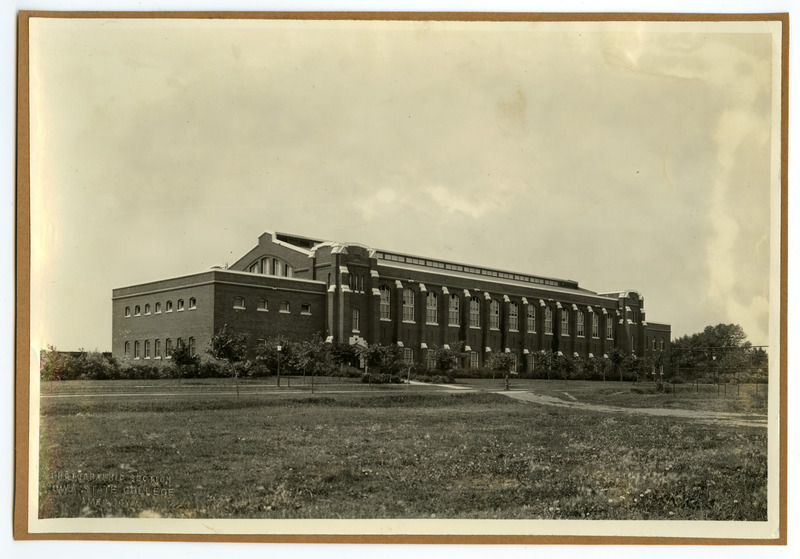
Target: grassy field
(386, 452)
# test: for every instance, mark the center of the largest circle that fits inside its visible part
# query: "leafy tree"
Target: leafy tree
(55, 365)
(447, 358)
(314, 356)
(721, 350)
(501, 363)
(343, 353)
(183, 360)
(387, 359)
(229, 346)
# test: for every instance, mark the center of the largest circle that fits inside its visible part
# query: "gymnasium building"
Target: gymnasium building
(302, 288)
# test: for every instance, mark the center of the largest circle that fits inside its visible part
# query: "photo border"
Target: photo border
(22, 277)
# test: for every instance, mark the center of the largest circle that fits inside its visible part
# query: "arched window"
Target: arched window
(192, 303)
(548, 320)
(408, 305)
(127, 349)
(531, 318)
(157, 349)
(432, 308)
(513, 317)
(147, 308)
(137, 310)
(595, 325)
(475, 313)
(158, 308)
(169, 306)
(580, 323)
(494, 314)
(168, 348)
(127, 312)
(356, 320)
(180, 304)
(386, 302)
(147, 349)
(136, 349)
(453, 314)
(564, 322)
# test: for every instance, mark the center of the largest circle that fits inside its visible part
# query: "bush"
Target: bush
(380, 378)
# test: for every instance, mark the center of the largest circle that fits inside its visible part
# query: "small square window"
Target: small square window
(263, 305)
(285, 306)
(305, 309)
(238, 303)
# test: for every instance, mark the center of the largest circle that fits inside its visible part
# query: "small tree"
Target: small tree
(229, 346)
(501, 363)
(447, 358)
(182, 359)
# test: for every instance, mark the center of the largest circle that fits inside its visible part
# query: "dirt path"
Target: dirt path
(744, 420)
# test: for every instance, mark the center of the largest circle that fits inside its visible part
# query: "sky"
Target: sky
(633, 156)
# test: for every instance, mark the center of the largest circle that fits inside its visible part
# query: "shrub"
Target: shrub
(380, 378)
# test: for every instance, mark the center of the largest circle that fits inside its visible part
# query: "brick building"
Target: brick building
(301, 287)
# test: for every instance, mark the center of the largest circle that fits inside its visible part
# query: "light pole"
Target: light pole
(279, 365)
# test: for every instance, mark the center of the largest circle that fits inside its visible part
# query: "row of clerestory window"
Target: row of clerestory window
(138, 310)
(262, 305)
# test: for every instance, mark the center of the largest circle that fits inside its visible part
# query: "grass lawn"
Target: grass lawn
(745, 398)
(386, 453)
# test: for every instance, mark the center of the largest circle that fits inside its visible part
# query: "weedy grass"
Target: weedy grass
(745, 398)
(386, 455)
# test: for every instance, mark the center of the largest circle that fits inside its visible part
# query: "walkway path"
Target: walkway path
(741, 419)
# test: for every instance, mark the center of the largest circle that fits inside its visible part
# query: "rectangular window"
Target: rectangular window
(474, 313)
(564, 322)
(610, 327)
(385, 304)
(305, 309)
(263, 306)
(580, 325)
(531, 362)
(548, 320)
(453, 314)
(356, 320)
(514, 363)
(157, 349)
(494, 315)
(408, 356)
(191, 347)
(531, 319)
(136, 349)
(432, 308)
(513, 317)
(430, 359)
(595, 325)
(474, 361)
(168, 348)
(408, 305)
(238, 303)
(285, 306)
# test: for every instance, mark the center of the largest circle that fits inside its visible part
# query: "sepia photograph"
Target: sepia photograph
(496, 275)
